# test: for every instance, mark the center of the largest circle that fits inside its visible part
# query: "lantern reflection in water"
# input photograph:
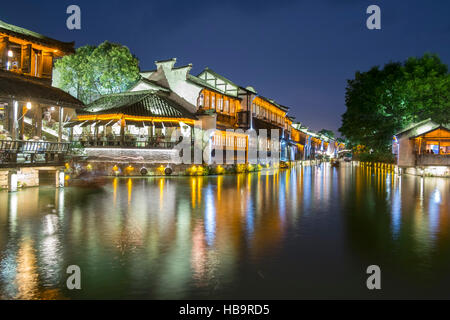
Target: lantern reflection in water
(210, 236)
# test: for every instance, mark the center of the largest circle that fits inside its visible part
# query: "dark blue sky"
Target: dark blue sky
(299, 53)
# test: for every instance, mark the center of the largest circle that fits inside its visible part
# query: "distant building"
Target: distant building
(208, 99)
(423, 148)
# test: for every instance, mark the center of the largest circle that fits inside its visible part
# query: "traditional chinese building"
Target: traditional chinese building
(169, 98)
(423, 148)
(32, 112)
(33, 142)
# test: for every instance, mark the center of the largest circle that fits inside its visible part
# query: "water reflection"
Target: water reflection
(268, 234)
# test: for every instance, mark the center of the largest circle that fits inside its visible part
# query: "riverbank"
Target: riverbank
(422, 171)
(12, 179)
(127, 168)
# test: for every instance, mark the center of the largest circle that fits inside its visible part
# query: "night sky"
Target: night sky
(299, 53)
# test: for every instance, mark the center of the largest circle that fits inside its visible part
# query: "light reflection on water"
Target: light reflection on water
(303, 232)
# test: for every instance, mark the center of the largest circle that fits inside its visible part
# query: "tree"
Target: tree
(428, 89)
(327, 133)
(95, 71)
(380, 102)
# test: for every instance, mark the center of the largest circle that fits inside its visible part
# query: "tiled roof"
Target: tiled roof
(286, 109)
(219, 76)
(23, 88)
(32, 36)
(204, 84)
(153, 83)
(146, 103)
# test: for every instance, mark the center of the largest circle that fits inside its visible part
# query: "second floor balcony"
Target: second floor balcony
(427, 159)
(15, 153)
(128, 141)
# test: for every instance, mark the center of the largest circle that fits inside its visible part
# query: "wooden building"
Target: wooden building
(208, 100)
(425, 146)
(32, 112)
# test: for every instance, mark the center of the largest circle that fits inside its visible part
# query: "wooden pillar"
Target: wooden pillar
(60, 123)
(22, 111)
(14, 117)
(10, 115)
(122, 131)
(37, 121)
(6, 117)
(4, 47)
(96, 135)
(150, 131)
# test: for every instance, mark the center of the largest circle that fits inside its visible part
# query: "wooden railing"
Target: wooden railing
(31, 146)
(433, 159)
(32, 152)
(127, 143)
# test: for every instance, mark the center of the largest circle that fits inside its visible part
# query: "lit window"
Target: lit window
(432, 147)
(227, 106)
(445, 147)
(200, 100)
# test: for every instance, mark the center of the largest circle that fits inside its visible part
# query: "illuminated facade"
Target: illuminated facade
(208, 100)
(31, 110)
(424, 145)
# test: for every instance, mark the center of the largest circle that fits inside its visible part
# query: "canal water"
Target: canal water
(300, 233)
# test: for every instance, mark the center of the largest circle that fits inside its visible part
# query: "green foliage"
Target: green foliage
(95, 71)
(384, 157)
(380, 102)
(231, 169)
(77, 149)
(428, 88)
(327, 133)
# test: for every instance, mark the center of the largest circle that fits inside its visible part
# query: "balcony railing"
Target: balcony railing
(32, 152)
(128, 142)
(433, 159)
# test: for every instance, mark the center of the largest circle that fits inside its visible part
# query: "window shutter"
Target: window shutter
(47, 66)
